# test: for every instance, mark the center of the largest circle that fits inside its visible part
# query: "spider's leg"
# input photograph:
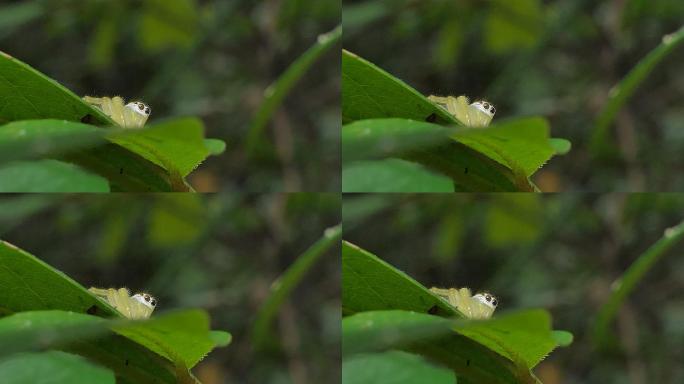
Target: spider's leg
(120, 297)
(118, 110)
(441, 101)
(97, 101)
(98, 292)
(440, 292)
(463, 302)
(458, 106)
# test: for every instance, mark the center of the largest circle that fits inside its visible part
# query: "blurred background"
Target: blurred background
(208, 58)
(558, 59)
(562, 253)
(217, 252)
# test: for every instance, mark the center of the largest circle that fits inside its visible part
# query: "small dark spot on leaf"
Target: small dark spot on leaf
(87, 119)
(120, 171)
(92, 310)
(433, 310)
(466, 170)
(126, 362)
(467, 363)
(432, 118)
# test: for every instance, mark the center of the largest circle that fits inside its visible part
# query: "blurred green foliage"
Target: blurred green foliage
(211, 59)
(221, 253)
(559, 59)
(564, 253)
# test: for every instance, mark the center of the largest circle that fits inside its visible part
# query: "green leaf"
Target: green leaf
(563, 338)
(431, 337)
(36, 138)
(392, 175)
(388, 309)
(34, 330)
(524, 335)
(181, 337)
(221, 338)
(518, 143)
(27, 283)
(561, 146)
(368, 92)
(47, 176)
(88, 336)
(470, 170)
(387, 116)
(177, 336)
(176, 145)
(125, 170)
(52, 367)
(215, 146)
(393, 367)
(373, 331)
(377, 138)
(369, 283)
(26, 94)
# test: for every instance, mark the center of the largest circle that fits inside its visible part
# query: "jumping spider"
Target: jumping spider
(131, 115)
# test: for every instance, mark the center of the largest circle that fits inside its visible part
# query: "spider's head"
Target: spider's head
(139, 107)
(484, 106)
(487, 299)
(146, 300)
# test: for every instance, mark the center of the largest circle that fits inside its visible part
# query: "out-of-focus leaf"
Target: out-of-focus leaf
(377, 138)
(289, 280)
(561, 146)
(169, 24)
(215, 146)
(34, 138)
(512, 26)
(277, 91)
(176, 220)
(622, 91)
(52, 367)
(15, 15)
(392, 175)
(394, 367)
(47, 176)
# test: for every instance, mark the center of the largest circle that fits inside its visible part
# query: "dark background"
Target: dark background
(217, 252)
(558, 59)
(557, 252)
(211, 59)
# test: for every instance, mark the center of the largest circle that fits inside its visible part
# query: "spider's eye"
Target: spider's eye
(488, 298)
(486, 105)
(494, 303)
(147, 298)
(493, 109)
(147, 110)
(141, 106)
(153, 302)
